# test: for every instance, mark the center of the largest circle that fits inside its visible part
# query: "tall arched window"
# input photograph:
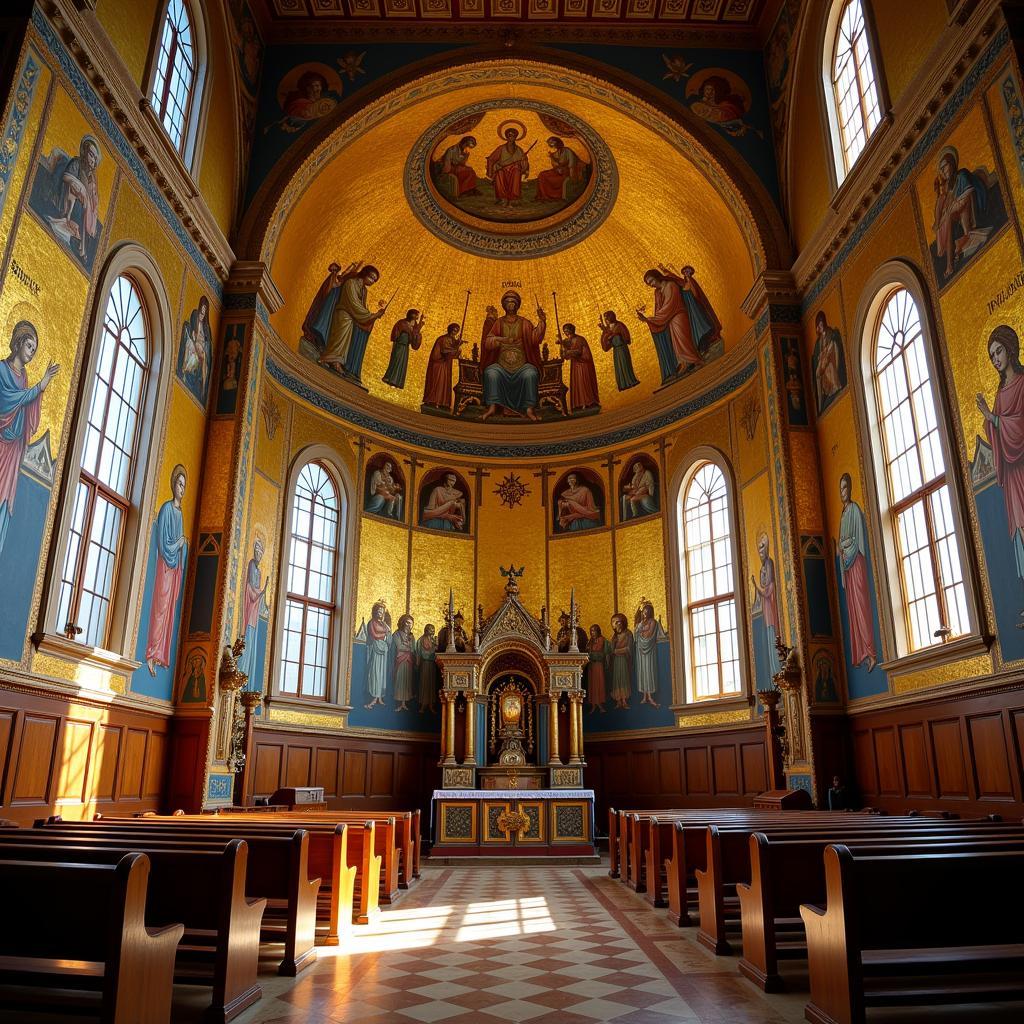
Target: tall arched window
(101, 501)
(707, 577)
(310, 596)
(851, 86)
(174, 80)
(920, 510)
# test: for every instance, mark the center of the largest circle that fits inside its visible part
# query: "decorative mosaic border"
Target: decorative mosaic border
(115, 136)
(15, 128)
(528, 242)
(453, 446)
(932, 134)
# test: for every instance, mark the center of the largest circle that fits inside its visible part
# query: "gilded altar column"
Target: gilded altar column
(574, 728)
(553, 757)
(448, 728)
(470, 758)
(579, 727)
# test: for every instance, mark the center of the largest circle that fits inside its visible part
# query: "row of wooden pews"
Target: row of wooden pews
(887, 911)
(147, 902)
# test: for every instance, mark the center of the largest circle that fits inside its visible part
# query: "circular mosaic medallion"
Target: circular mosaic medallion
(511, 179)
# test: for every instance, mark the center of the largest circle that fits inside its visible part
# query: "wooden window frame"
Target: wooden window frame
(95, 487)
(338, 608)
(922, 493)
(162, 102)
(717, 600)
(849, 161)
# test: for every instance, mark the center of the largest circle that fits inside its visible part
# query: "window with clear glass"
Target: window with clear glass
(175, 78)
(101, 499)
(310, 598)
(708, 578)
(934, 597)
(853, 83)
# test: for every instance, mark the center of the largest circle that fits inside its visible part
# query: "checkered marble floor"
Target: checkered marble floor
(478, 945)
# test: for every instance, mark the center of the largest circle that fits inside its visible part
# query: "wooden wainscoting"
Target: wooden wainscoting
(961, 754)
(721, 768)
(356, 772)
(75, 757)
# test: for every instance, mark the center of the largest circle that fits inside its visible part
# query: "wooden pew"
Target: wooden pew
(885, 938)
(727, 859)
(344, 896)
(277, 871)
(85, 924)
(786, 873)
(203, 890)
(328, 858)
(397, 851)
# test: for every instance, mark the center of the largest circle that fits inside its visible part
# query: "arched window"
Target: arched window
(850, 81)
(707, 578)
(921, 517)
(102, 498)
(175, 73)
(311, 589)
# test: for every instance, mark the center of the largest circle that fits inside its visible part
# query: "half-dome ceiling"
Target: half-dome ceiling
(589, 199)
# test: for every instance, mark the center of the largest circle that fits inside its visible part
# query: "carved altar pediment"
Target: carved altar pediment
(512, 621)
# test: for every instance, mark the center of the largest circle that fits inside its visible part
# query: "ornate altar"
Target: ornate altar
(523, 698)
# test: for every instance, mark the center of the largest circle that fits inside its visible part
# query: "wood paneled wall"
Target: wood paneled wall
(355, 771)
(962, 754)
(707, 769)
(70, 757)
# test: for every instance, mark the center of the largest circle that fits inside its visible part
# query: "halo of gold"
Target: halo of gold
(513, 121)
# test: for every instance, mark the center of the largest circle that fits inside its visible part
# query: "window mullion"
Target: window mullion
(79, 570)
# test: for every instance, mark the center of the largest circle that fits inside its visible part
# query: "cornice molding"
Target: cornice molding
(771, 287)
(250, 277)
(911, 117)
(955, 692)
(85, 40)
(47, 687)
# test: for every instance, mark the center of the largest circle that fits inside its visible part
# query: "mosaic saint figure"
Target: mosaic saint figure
(405, 335)
(670, 327)
(577, 509)
(828, 362)
(455, 166)
(19, 414)
(426, 669)
(310, 100)
(599, 653)
(852, 551)
(437, 388)
(350, 322)
(640, 493)
(582, 375)
(385, 497)
(621, 661)
(508, 166)
(645, 641)
(566, 172)
(195, 353)
(766, 590)
(716, 101)
(1004, 427)
(615, 338)
(705, 327)
(79, 205)
(961, 199)
(511, 359)
(317, 323)
(446, 506)
(378, 651)
(403, 645)
(171, 553)
(254, 604)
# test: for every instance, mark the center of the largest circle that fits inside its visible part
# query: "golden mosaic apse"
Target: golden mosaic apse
(666, 211)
